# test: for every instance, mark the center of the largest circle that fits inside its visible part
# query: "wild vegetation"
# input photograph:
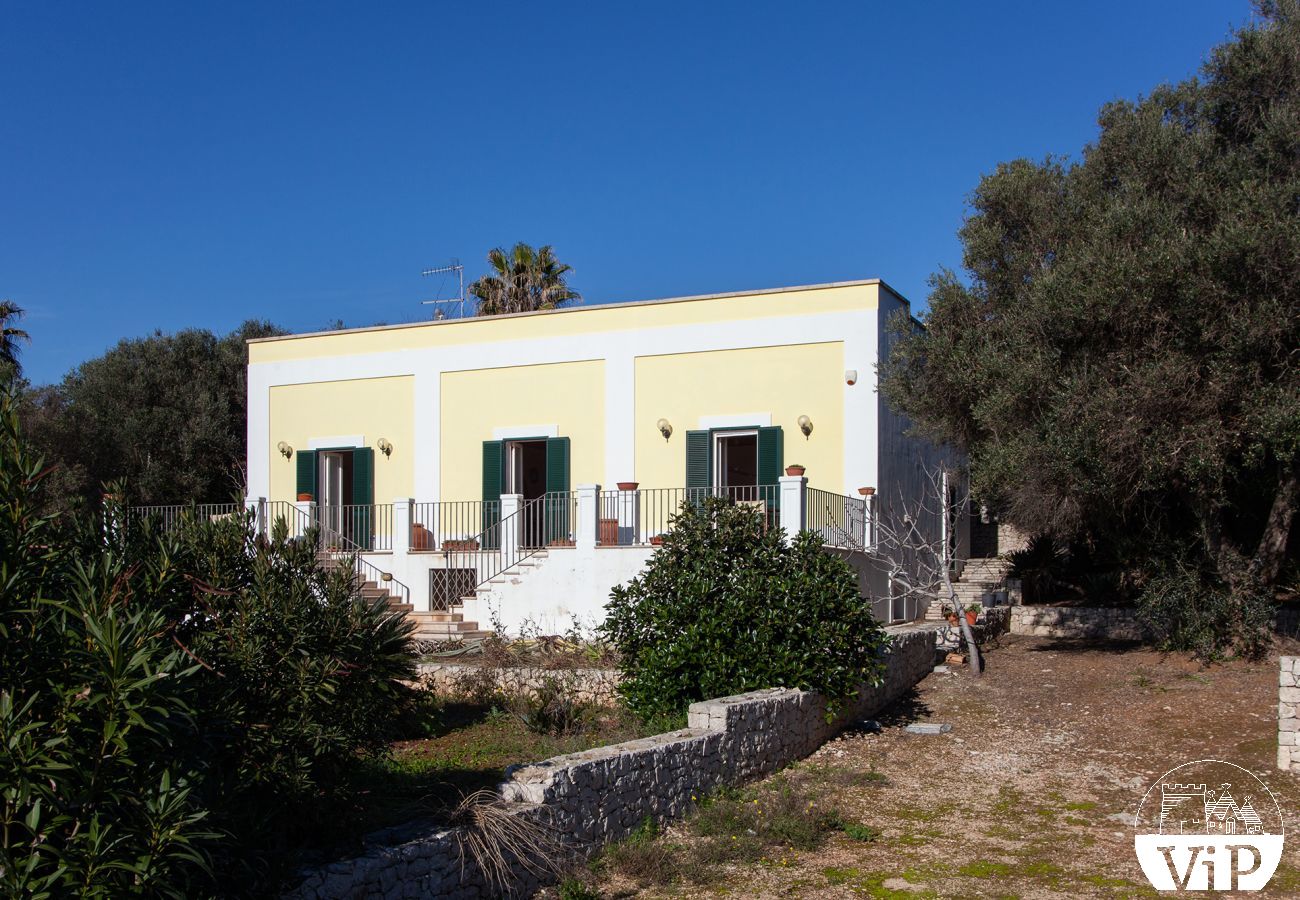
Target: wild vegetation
(725, 607)
(1119, 361)
(179, 713)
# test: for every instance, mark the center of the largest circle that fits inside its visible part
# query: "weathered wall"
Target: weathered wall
(601, 795)
(1076, 622)
(1288, 714)
(595, 685)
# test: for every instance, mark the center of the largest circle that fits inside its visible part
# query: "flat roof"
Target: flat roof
(438, 323)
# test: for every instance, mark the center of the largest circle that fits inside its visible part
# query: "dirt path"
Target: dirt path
(1033, 791)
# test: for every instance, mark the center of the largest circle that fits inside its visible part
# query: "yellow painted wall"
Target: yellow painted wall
(373, 407)
(570, 396)
(801, 379)
(570, 322)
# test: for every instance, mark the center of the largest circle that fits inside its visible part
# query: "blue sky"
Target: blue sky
(165, 166)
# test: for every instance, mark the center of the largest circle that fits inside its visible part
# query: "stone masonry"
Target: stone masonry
(602, 795)
(1076, 622)
(1288, 714)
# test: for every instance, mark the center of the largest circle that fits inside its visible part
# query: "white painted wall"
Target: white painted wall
(569, 584)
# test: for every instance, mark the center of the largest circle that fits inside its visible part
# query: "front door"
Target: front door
(736, 461)
(335, 493)
(526, 475)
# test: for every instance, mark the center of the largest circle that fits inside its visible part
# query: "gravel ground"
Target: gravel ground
(1032, 793)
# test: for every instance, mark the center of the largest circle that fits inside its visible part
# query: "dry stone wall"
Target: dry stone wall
(1076, 622)
(601, 795)
(595, 685)
(1288, 715)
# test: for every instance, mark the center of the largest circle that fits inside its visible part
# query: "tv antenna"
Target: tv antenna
(456, 267)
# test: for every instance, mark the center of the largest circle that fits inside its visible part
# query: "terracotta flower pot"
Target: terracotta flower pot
(657, 540)
(305, 497)
(628, 485)
(866, 491)
(971, 616)
(795, 470)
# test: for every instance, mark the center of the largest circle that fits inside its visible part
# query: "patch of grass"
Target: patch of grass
(872, 884)
(643, 858)
(1081, 805)
(573, 888)
(859, 832)
(986, 868)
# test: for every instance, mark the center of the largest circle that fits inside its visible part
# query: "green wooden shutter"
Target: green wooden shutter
(556, 524)
(771, 463)
(363, 497)
(306, 474)
(699, 464)
(494, 470)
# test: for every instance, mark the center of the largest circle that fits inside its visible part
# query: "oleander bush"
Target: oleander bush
(180, 713)
(725, 606)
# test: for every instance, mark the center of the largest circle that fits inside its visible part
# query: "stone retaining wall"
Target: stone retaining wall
(601, 795)
(1076, 622)
(595, 685)
(1288, 714)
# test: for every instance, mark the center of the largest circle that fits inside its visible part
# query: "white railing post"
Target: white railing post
(585, 528)
(794, 515)
(510, 504)
(305, 518)
(402, 524)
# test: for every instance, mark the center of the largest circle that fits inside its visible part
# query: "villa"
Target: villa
(514, 468)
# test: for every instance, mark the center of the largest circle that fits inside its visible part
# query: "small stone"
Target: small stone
(928, 728)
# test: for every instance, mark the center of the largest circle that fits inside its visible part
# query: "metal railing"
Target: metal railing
(637, 518)
(497, 548)
(170, 516)
(839, 520)
(450, 525)
(365, 525)
(336, 544)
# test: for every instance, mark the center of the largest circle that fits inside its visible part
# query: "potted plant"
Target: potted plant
(628, 485)
(657, 540)
(972, 613)
(950, 615)
(305, 497)
(795, 469)
(866, 491)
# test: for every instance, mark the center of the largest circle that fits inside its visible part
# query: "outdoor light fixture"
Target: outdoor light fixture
(850, 376)
(385, 446)
(805, 425)
(665, 428)
(285, 450)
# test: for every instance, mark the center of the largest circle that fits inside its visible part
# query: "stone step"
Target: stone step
(424, 615)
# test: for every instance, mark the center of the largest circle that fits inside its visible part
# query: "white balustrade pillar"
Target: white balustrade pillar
(510, 504)
(257, 506)
(585, 528)
(794, 516)
(402, 524)
(305, 518)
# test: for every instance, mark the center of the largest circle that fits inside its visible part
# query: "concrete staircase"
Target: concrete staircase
(429, 626)
(979, 578)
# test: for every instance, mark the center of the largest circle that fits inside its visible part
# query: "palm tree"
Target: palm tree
(523, 280)
(10, 335)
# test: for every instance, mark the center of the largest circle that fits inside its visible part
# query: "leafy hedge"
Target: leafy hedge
(179, 713)
(726, 607)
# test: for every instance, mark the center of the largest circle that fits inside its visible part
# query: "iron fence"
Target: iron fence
(637, 518)
(839, 520)
(366, 526)
(170, 516)
(450, 525)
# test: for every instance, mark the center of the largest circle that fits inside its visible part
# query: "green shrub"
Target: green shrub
(179, 713)
(726, 607)
(1186, 610)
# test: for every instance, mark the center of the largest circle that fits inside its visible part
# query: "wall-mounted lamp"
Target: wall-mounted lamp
(805, 425)
(385, 446)
(285, 450)
(665, 428)
(850, 376)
